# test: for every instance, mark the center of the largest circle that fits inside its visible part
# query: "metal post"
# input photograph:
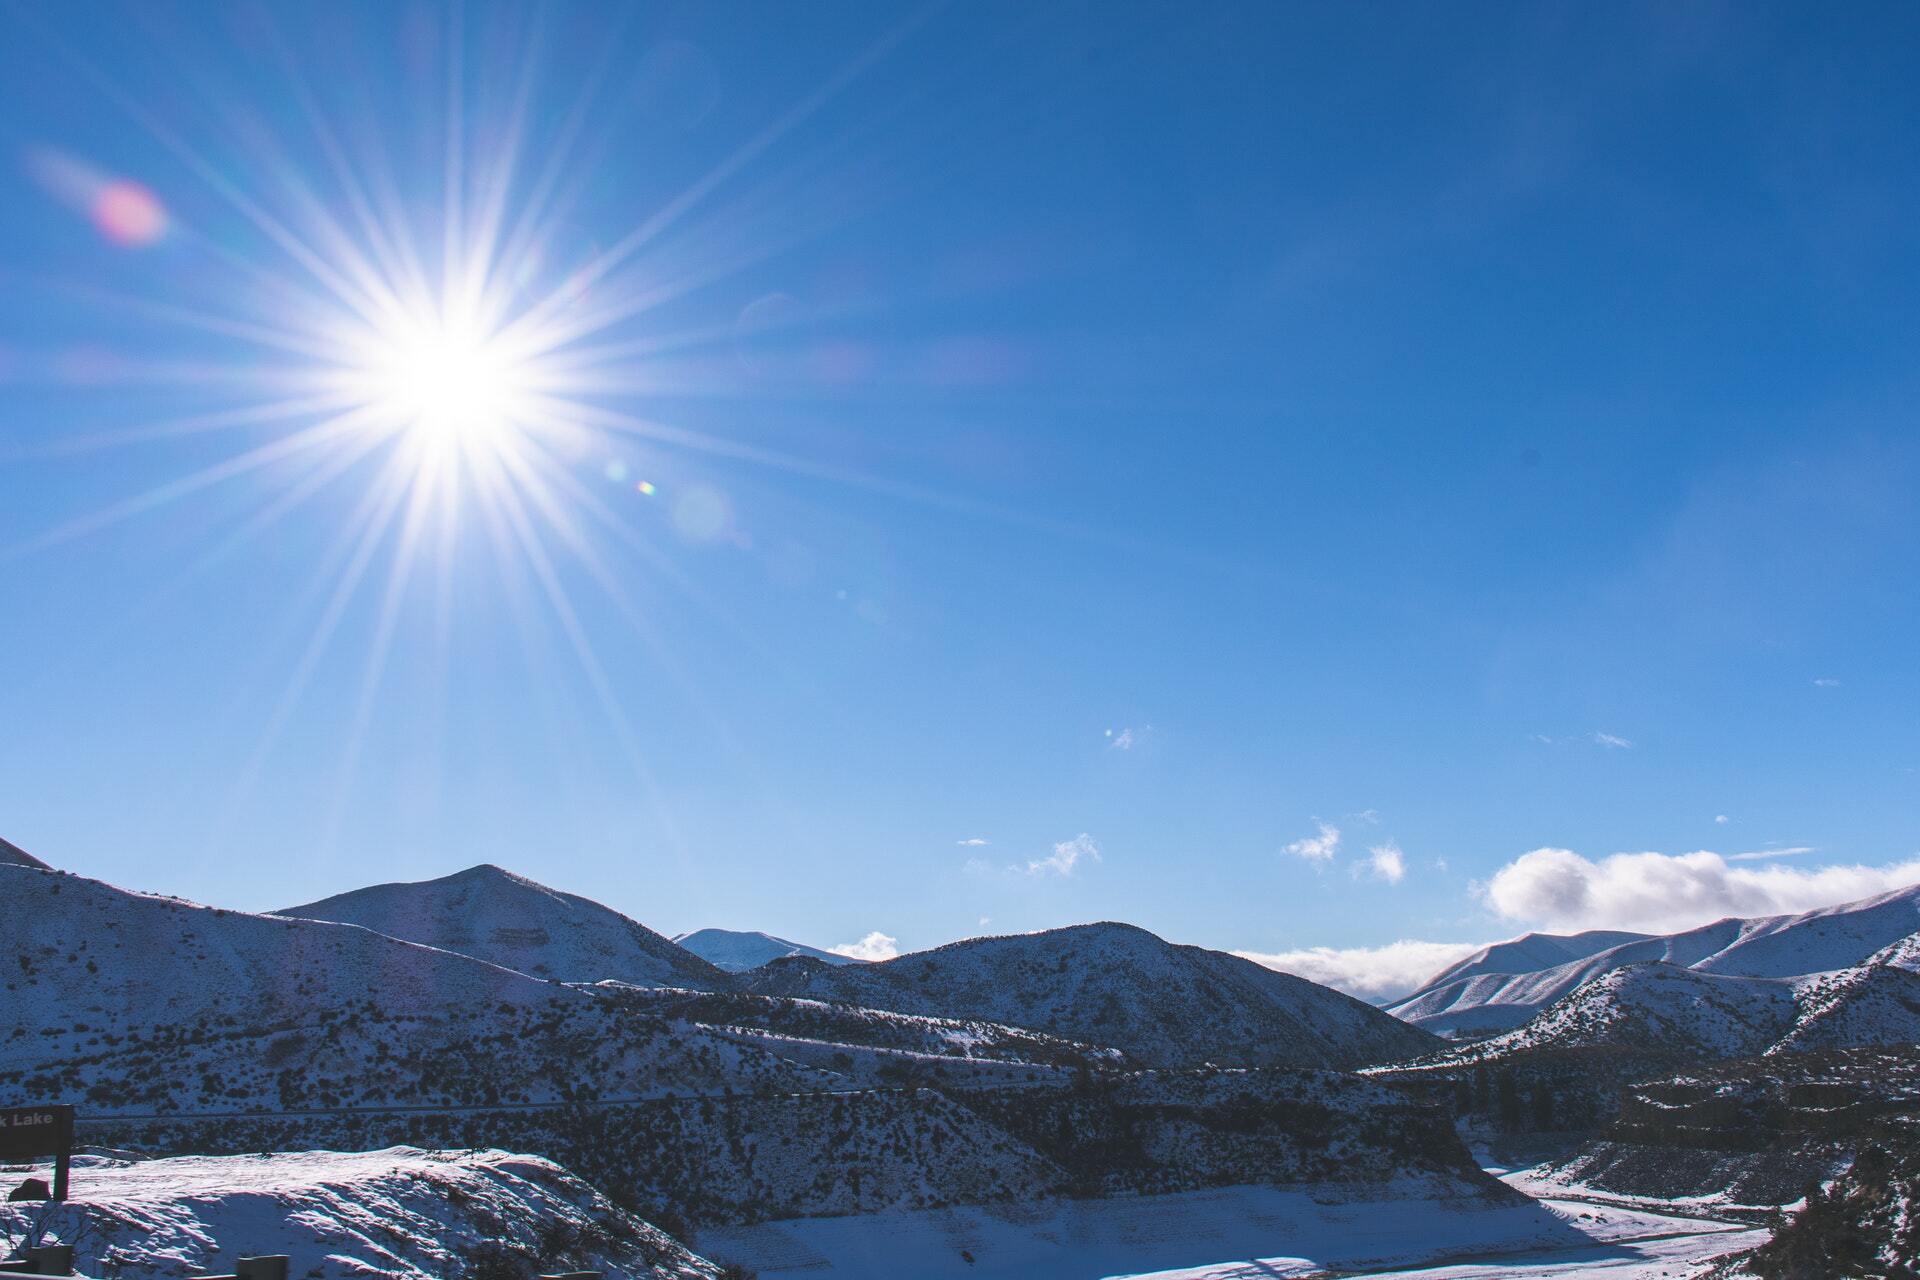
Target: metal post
(264, 1266)
(51, 1259)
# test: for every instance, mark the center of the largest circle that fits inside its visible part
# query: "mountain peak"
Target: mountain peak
(495, 915)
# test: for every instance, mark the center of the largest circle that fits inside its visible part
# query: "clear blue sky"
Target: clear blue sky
(1476, 429)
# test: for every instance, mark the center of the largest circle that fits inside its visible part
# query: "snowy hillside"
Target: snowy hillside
(513, 922)
(404, 1213)
(805, 1026)
(737, 950)
(135, 1002)
(1117, 985)
(13, 855)
(1874, 1004)
(1478, 998)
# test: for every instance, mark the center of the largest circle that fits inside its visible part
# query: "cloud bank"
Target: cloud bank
(1663, 893)
(875, 946)
(1371, 973)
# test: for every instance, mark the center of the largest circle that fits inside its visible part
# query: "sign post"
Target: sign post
(31, 1133)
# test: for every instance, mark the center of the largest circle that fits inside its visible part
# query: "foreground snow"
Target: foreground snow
(401, 1212)
(1244, 1233)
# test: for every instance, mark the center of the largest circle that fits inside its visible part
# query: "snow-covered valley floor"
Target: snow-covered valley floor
(1244, 1233)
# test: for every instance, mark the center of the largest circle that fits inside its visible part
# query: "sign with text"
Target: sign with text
(34, 1133)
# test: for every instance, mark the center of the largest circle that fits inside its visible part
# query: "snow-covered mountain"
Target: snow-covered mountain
(1486, 993)
(1117, 985)
(737, 950)
(508, 920)
(13, 855)
(1675, 1011)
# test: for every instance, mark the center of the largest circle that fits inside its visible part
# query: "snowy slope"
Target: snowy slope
(1531, 953)
(1476, 1000)
(1117, 985)
(513, 922)
(402, 1212)
(82, 950)
(13, 855)
(737, 950)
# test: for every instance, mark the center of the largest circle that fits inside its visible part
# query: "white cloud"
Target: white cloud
(1372, 973)
(1826, 682)
(1066, 855)
(1385, 862)
(1439, 864)
(1761, 855)
(971, 843)
(1721, 819)
(1369, 816)
(1660, 893)
(875, 946)
(1121, 740)
(1610, 740)
(1320, 848)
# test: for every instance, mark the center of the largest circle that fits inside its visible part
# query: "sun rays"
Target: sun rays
(435, 356)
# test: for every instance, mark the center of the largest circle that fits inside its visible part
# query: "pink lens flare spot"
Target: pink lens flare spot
(128, 214)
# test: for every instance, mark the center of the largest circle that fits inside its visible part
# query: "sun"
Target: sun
(445, 381)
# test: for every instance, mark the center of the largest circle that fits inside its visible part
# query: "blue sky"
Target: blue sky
(1476, 432)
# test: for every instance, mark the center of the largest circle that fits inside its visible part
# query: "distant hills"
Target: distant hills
(737, 950)
(1502, 987)
(509, 920)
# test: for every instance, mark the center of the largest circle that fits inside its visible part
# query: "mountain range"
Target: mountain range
(1502, 987)
(179, 1028)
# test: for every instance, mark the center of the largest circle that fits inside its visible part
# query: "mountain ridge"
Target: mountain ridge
(1116, 984)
